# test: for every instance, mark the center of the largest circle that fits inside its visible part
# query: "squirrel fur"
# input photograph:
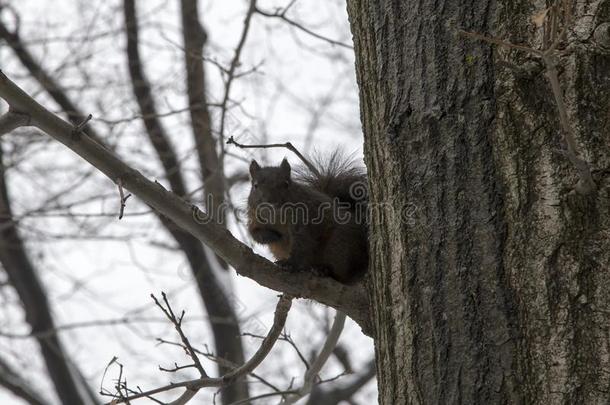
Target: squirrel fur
(312, 221)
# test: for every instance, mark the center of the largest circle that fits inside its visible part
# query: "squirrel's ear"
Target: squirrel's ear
(254, 168)
(285, 166)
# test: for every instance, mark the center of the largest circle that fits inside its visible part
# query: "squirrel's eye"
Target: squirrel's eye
(255, 184)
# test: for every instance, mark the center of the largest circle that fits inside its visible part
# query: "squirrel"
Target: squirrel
(312, 221)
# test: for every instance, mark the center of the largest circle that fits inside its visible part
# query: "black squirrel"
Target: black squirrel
(312, 221)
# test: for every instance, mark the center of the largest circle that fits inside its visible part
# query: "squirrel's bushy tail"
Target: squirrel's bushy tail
(339, 177)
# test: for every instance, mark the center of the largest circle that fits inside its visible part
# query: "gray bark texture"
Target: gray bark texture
(490, 276)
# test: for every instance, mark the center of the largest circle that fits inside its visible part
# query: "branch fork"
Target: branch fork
(12, 120)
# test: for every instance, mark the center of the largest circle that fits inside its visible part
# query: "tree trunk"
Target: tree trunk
(490, 278)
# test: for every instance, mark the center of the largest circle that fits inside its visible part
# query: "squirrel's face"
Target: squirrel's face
(269, 184)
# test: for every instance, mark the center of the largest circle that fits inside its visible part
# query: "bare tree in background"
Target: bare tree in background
(209, 130)
(224, 323)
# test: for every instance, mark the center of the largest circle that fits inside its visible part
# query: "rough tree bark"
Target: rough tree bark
(490, 278)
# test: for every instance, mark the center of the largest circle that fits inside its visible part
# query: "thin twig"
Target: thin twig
(81, 126)
(123, 198)
(231, 73)
(177, 322)
(282, 16)
(312, 373)
(78, 129)
(287, 145)
(288, 339)
(192, 386)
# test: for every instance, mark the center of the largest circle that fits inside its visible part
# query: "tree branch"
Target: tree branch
(12, 120)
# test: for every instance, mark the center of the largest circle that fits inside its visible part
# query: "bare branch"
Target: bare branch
(193, 386)
(211, 166)
(123, 198)
(267, 395)
(281, 14)
(186, 396)
(231, 72)
(177, 322)
(224, 362)
(281, 311)
(287, 145)
(75, 115)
